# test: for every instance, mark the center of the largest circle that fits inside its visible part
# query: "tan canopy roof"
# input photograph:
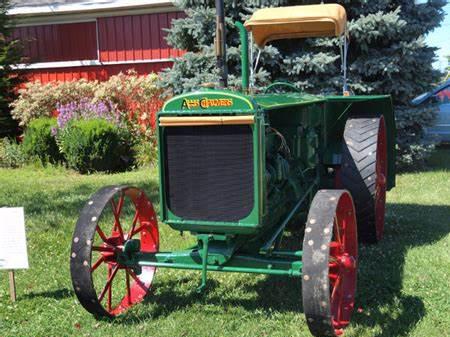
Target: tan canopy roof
(269, 24)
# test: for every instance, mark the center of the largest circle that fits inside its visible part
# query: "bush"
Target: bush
(11, 154)
(95, 145)
(39, 141)
(135, 97)
(86, 110)
(38, 100)
(146, 152)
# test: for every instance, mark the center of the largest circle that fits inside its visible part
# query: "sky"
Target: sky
(441, 38)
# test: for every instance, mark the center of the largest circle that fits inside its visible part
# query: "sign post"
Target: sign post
(13, 244)
(12, 286)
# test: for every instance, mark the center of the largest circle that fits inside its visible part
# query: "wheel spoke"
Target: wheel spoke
(118, 209)
(138, 281)
(133, 225)
(98, 263)
(337, 283)
(101, 234)
(139, 229)
(344, 241)
(109, 290)
(111, 276)
(116, 212)
(338, 292)
(336, 229)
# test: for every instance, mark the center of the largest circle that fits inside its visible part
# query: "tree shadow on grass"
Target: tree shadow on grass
(58, 206)
(58, 294)
(380, 279)
(381, 267)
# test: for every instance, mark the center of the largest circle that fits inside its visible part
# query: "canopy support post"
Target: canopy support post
(343, 46)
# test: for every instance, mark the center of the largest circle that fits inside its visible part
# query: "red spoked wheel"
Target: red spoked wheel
(109, 220)
(330, 257)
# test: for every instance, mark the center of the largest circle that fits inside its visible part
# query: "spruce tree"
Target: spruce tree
(387, 55)
(10, 78)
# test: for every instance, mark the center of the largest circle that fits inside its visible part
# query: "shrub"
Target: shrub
(135, 97)
(39, 141)
(11, 154)
(95, 145)
(86, 110)
(40, 100)
(146, 152)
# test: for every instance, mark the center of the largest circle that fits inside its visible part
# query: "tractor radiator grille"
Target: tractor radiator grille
(209, 172)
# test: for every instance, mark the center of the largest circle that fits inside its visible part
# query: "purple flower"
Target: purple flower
(85, 109)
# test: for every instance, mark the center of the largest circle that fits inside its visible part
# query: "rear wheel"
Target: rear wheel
(111, 219)
(330, 255)
(363, 173)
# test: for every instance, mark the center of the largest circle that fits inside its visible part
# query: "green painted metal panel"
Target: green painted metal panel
(209, 101)
(279, 101)
(248, 225)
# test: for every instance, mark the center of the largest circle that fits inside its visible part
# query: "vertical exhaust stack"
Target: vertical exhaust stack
(220, 44)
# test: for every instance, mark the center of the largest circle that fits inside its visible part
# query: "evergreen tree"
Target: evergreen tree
(387, 54)
(10, 55)
(448, 64)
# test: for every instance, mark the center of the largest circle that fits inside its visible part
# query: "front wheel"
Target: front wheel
(330, 257)
(112, 217)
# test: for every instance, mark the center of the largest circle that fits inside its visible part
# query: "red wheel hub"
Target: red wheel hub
(347, 262)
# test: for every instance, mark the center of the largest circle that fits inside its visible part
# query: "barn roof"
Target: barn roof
(43, 2)
(43, 7)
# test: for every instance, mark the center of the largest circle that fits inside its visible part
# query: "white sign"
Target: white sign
(13, 243)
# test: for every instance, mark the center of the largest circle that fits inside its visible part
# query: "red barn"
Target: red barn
(73, 39)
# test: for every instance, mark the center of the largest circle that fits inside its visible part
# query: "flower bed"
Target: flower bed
(126, 101)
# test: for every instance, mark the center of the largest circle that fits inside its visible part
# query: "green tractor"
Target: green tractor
(241, 171)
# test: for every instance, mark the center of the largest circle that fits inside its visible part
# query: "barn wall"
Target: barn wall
(135, 37)
(62, 42)
(91, 73)
(112, 43)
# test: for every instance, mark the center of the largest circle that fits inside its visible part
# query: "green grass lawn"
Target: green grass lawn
(403, 290)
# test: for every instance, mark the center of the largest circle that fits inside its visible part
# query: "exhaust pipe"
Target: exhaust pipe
(220, 44)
